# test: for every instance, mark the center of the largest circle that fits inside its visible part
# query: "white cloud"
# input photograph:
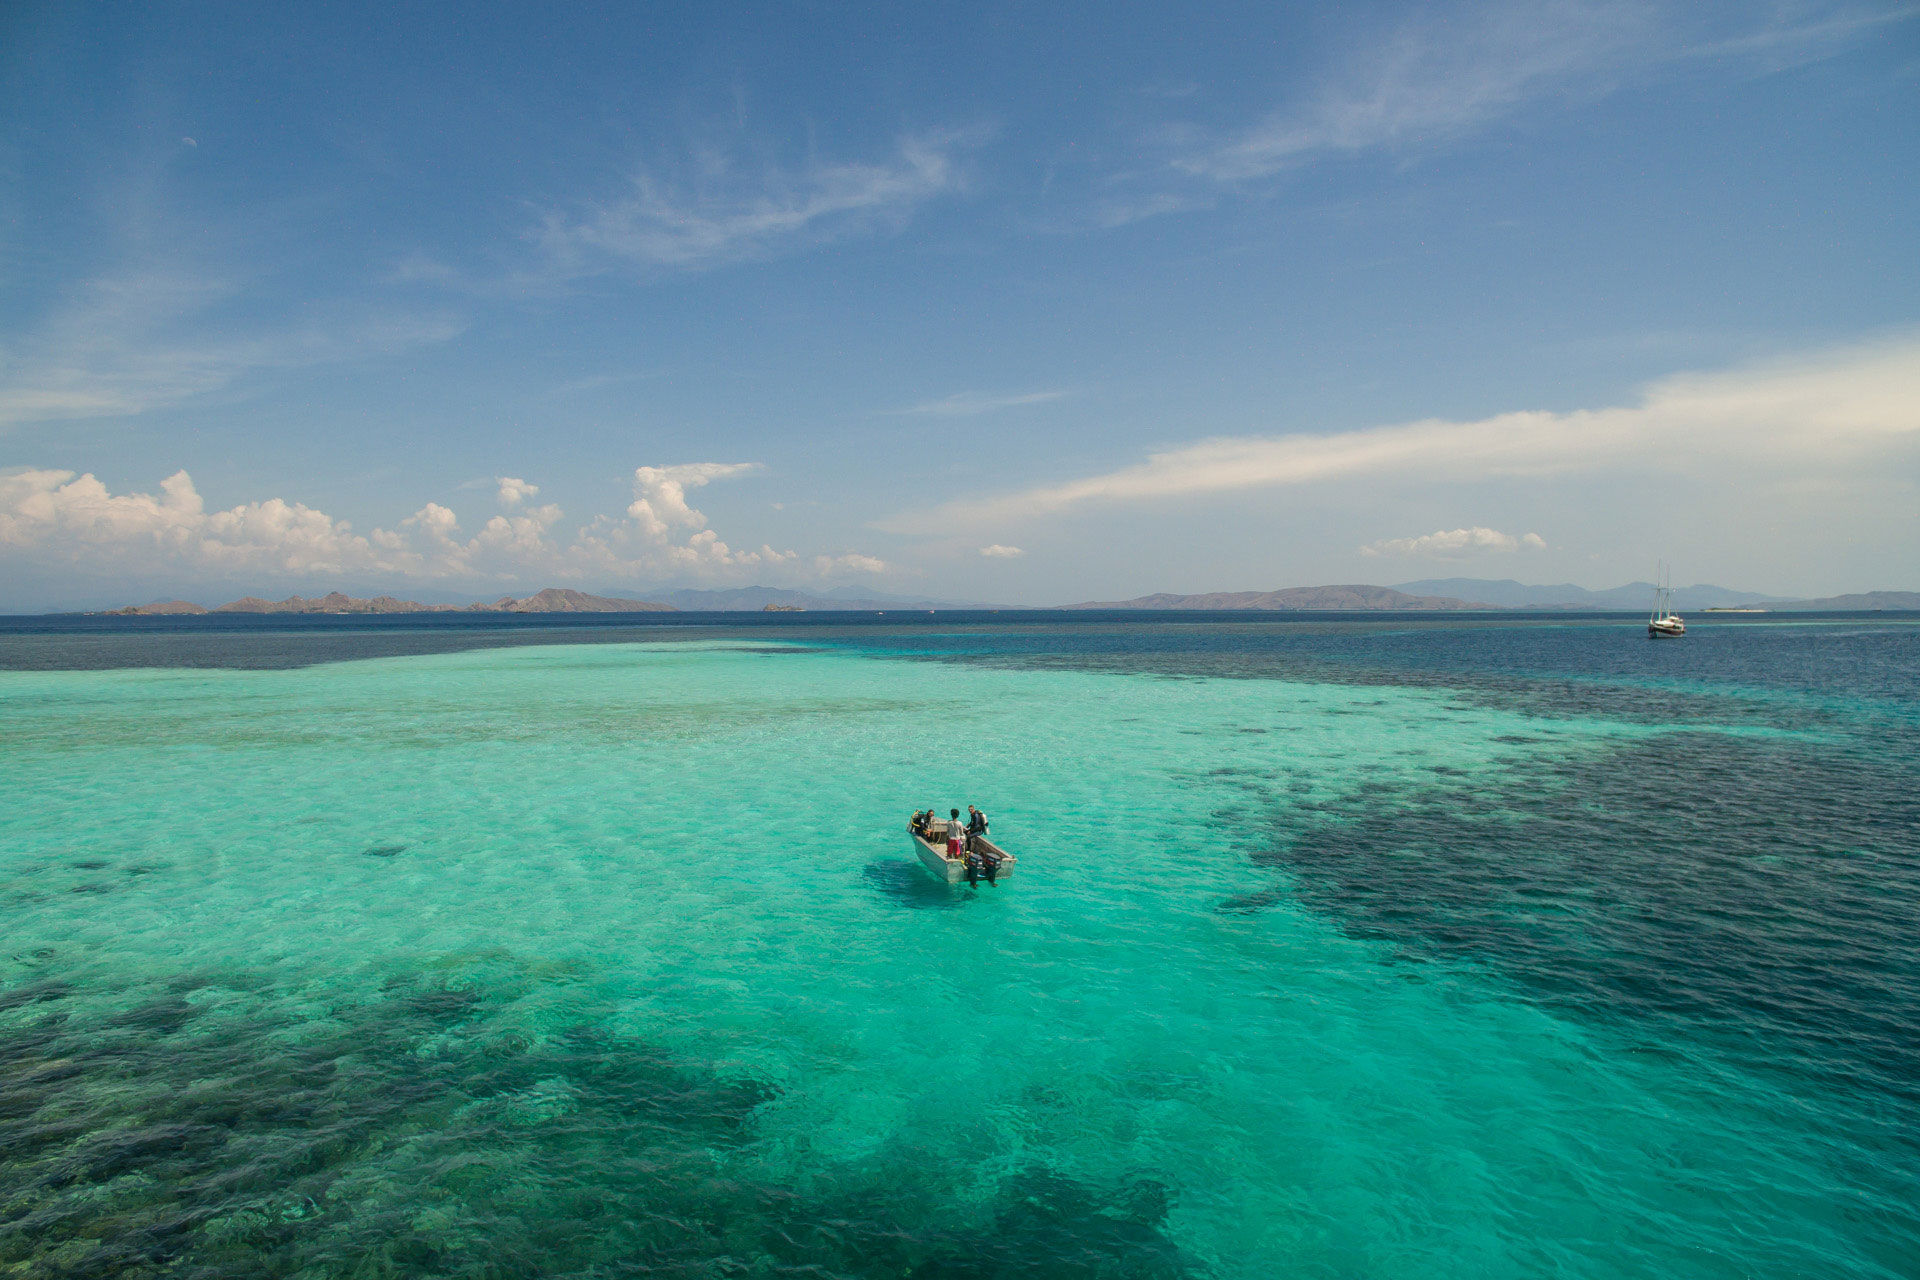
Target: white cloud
(722, 215)
(1455, 69)
(145, 340)
(433, 520)
(1789, 37)
(1834, 413)
(966, 404)
(853, 562)
(662, 506)
(1000, 552)
(58, 517)
(1447, 544)
(1435, 77)
(514, 491)
(664, 535)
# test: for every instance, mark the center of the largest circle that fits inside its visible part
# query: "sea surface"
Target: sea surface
(1337, 947)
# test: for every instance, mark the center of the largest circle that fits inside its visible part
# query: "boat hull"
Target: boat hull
(953, 870)
(1675, 627)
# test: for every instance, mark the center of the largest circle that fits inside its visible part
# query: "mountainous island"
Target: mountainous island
(1431, 595)
(1506, 595)
(551, 600)
(563, 600)
(1354, 596)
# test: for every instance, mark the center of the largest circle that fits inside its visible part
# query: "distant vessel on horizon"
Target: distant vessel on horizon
(1664, 621)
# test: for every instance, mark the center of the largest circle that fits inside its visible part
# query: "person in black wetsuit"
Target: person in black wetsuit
(989, 866)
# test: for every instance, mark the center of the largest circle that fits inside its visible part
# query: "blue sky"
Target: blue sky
(1019, 303)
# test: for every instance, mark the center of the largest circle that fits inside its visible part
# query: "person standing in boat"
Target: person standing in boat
(956, 835)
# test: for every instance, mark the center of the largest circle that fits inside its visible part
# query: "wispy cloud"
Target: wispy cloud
(1795, 34)
(145, 340)
(999, 551)
(725, 214)
(1453, 71)
(1836, 412)
(54, 517)
(1451, 544)
(1125, 210)
(1436, 77)
(966, 404)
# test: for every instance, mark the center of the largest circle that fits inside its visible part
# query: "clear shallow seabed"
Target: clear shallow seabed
(1356, 950)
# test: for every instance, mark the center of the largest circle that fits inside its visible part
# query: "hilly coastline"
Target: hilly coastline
(1353, 596)
(1507, 596)
(1432, 595)
(563, 600)
(551, 600)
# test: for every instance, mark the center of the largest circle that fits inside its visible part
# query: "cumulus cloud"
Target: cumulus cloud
(1000, 552)
(514, 491)
(1447, 544)
(664, 534)
(725, 215)
(1834, 413)
(59, 517)
(853, 562)
(661, 505)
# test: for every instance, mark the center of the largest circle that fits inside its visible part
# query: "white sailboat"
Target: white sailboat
(1664, 621)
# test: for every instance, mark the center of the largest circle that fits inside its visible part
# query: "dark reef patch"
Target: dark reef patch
(1700, 880)
(423, 1132)
(387, 850)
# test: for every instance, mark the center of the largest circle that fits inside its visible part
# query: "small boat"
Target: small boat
(933, 856)
(1664, 621)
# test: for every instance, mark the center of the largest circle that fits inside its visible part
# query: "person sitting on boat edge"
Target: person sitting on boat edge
(956, 837)
(918, 822)
(976, 825)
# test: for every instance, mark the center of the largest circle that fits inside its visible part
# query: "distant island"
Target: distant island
(561, 600)
(1348, 596)
(551, 600)
(1439, 595)
(1507, 596)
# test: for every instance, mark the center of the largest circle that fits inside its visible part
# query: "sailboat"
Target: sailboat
(1664, 621)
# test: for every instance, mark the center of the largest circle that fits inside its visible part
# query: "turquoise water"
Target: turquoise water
(610, 958)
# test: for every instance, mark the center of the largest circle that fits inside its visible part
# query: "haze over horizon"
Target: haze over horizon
(1021, 305)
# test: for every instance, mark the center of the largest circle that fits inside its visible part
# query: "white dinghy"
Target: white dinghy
(932, 849)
